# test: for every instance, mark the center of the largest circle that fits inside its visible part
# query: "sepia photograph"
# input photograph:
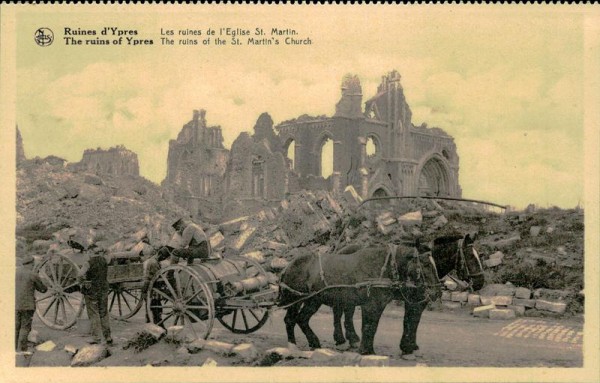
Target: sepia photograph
(299, 193)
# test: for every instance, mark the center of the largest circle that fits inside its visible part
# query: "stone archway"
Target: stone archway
(380, 192)
(434, 179)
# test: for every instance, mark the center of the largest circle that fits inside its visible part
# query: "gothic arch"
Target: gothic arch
(380, 190)
(434, 177)
(318, 150)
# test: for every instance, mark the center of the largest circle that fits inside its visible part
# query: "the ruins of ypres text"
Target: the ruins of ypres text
(376, 149)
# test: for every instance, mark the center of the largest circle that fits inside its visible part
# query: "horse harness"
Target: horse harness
(395, 282)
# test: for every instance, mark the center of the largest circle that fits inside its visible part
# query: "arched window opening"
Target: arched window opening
(372, 149)
(326, 158)
(291, 153)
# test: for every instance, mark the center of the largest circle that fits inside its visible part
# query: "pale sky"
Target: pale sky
(505, 82)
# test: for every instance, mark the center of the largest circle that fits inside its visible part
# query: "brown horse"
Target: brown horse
(369, 278)
(449, 253)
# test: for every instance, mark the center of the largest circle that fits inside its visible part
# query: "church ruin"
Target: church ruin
(375, 148)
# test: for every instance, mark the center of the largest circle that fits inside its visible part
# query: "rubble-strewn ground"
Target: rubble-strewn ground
(533, 259)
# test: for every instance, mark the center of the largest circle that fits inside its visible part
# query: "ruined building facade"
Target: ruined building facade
(405, 159)
(376, 149)
(117, 161)
(196, 166)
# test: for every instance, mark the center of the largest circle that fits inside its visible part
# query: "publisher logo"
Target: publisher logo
(44, 37)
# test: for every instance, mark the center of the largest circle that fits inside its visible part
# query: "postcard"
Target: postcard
(299, 193)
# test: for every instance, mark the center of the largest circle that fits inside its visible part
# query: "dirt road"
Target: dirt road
(446, 339)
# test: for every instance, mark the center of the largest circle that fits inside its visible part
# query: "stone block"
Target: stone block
(460, 296)
(502, 300)
(412, 218)
(450, 284)
(374, 361)
(257, 255)
(34, 337)
(523, 293)
(216, 239)
(243, 238)
(90, 192)
(273, 245)
(497, 289)
(246, 351)
(497, 255)
(46, 346)
(502, 314)
(209, 362)
(483, 311)
(71, 349)
(492, 262)
(196, 346)
(155, 331)
(233, 225)
(386, 218)
(218, 347)
(278, 263)
(385, 230)
(89, 355)
(473, 300)
(519, 310)
(451, 305)
(182, 350)
(350, 358)
(351, 196)
(440, 222)
(446, 295)
(324, 355)
(174, 332)
(530, 303)
(534, 231)
(555, 307)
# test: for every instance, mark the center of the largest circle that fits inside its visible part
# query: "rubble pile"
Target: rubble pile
(57, 204)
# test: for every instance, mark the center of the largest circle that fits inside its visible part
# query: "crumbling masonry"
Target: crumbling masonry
(376, 149)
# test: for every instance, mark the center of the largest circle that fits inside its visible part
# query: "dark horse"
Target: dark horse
(449, 253)
(369, 278)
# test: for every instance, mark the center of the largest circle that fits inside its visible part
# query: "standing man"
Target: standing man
(93, 276)
(193, 242)
(26, 283)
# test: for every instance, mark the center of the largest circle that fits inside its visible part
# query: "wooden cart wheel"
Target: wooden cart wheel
(61, 305)
(245, 320)
(177, 296)
(124, 301)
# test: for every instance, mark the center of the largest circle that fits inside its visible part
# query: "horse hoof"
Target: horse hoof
(418, 353)
(342, 346)
(354, 345)
(408, 357)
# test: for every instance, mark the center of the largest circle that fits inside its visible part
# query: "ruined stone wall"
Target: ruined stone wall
(20, 150)
(116, 161)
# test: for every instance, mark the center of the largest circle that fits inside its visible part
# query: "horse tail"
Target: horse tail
(292, 285)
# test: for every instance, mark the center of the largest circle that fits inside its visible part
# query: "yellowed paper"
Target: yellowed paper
(515, 86)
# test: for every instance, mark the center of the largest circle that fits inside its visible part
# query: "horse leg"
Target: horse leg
(371, 313)
(290, 319)
(338, 334)
(351, 334)
(412, 317)
(308, 310)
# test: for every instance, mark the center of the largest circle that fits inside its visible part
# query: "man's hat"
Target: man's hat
(27, 260)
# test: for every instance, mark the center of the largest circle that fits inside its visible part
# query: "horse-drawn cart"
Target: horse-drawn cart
(61, 306)
(236, 291)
